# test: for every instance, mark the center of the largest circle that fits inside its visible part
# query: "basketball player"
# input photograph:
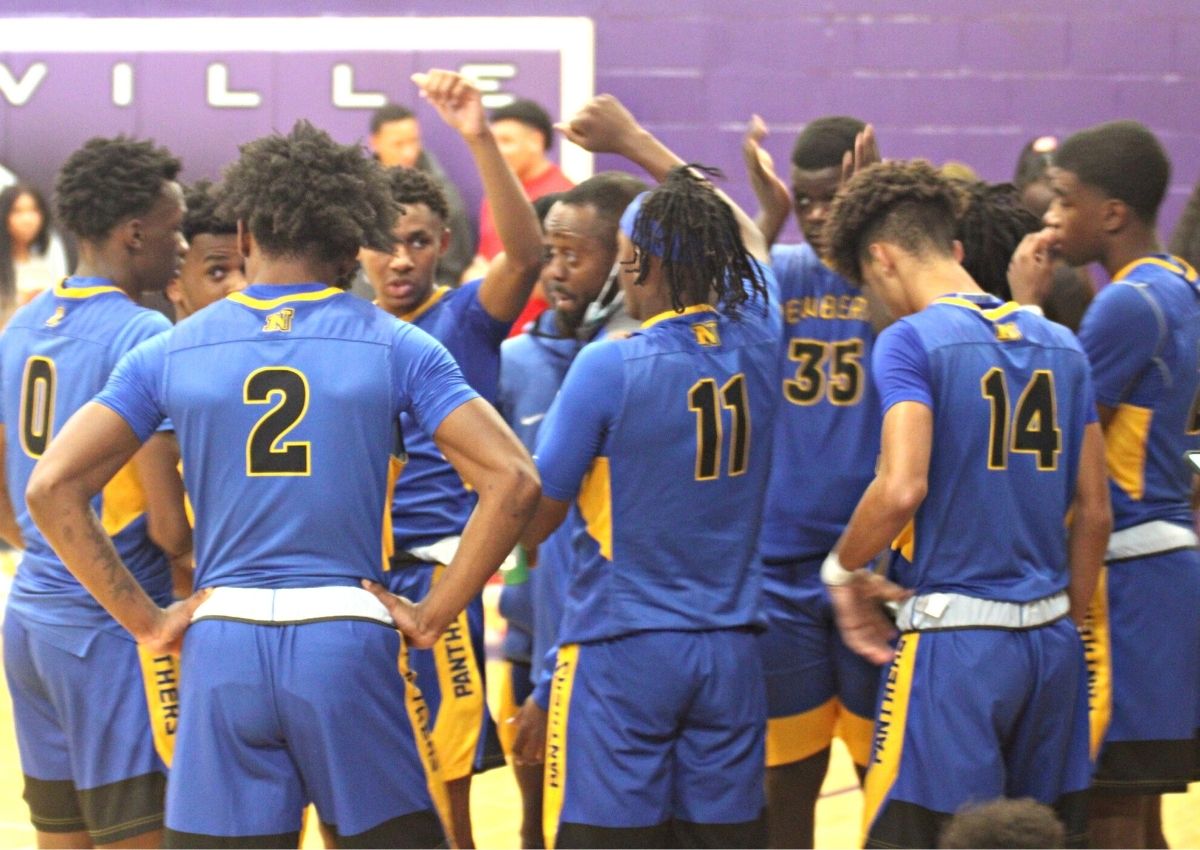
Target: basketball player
(294, 677)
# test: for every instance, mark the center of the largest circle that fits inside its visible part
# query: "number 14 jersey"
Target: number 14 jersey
(286, 401)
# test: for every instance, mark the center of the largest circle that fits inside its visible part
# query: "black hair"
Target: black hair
(202, 199)
(414, 186)
(1185, 242)
(108, 181)
(530, 114)
(990, 229)
(1004, 823)
(8, 272)
(303, 194)
(609, 193)
(702, 250)
(1034, 160)
(822, 142)
(542, 205)
(1122, 159)
(388, 113)
(903, 201)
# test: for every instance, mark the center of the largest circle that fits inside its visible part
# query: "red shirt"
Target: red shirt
(550, 180)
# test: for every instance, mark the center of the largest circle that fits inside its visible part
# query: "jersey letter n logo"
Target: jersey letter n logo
(280, 321)
(53, 321)
(706, 333)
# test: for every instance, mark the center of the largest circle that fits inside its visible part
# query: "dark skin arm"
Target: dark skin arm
(491, 459)
(92, 446)
(10, 531)
(1091, 523)
(774, 199)
(157, 465)
(511, 275)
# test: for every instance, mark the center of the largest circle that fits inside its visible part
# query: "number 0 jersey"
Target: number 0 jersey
(1142, 336)
(287, 401)
(827, 427)
(1010, 394)
(55, 355)
(663, 442)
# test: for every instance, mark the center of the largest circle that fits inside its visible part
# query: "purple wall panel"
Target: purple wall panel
(940, 78)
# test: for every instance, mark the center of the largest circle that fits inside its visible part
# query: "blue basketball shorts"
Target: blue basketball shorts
(969, 715)
(95, 719)
(816, 687)
(278, 715)
(451, 678)
(654, 731)
(1143, 646)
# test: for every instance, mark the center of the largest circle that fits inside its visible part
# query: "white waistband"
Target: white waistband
(292, 605)
(956, 611)
(439, 552)
(1149, 538)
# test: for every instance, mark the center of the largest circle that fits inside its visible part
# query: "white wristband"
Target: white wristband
(833, 573)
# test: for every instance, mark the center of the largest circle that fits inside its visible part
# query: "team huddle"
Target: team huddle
(751, 497)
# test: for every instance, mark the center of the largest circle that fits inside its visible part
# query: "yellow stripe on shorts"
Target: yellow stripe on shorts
(555, 775)
(856, 732)
(889, 735)
(418, 718)
(160, 677)
(798, 736)
(1097, 649)
(459, 721)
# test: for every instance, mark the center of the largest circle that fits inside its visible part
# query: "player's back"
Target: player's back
(673, 501)
(286, 401)
(56, 355)
(827, 427)
(1011, 395)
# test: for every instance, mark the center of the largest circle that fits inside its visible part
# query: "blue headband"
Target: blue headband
(629, 220)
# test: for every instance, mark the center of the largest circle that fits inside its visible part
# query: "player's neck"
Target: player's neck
(1126, 248)
(284, 271)
(95, 262)
(940, 278)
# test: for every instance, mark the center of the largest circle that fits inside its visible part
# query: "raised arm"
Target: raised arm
(92, 446)
(604, 125)
(774, 199)
(511, 275)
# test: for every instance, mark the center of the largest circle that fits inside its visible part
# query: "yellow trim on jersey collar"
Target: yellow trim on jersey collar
(437, 295)
(1178, 266)
(272, 303)
(63, 291)
(674, 314)
(993, 314)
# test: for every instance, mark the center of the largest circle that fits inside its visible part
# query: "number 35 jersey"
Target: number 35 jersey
(56, 354)
(286, 400)
(662, 440)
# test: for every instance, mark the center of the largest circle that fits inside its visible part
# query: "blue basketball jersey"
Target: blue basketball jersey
(287, 403)
(826, 436)
(434, 503)
(662, 442)
(1142, 336)
(1010, 394)
(55, 355)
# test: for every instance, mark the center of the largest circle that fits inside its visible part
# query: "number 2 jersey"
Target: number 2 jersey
(286, 400)
(56, 354)
(1011, 394)
(662, 440)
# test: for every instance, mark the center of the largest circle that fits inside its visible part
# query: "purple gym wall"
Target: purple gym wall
(945, 79)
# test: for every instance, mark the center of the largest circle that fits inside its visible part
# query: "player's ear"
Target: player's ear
(243, 239)
(1115, 215)
(958, 251)
(444, 242)
(131, 234)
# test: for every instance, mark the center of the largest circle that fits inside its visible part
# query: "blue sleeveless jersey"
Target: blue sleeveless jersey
(434, 503)
(1142, 336)
(287, 402)
(55, 355)
(827, 425)
(662, 442)
(1010, 394)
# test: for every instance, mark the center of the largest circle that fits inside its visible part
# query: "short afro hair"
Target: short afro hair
(202, 203)
(414, 186)
(902, 201)
(529, 113)
(388, 113)
(304, 195)
(609, 193)
(1122, 159)
(823, 142)
(1004, 823)
(108, 181)
(990, 229)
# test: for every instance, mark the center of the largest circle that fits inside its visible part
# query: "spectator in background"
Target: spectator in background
(28, 262)
(395, 140)
(1186, 241)
(1071, 289)
(1004, 823)
(524, 133)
